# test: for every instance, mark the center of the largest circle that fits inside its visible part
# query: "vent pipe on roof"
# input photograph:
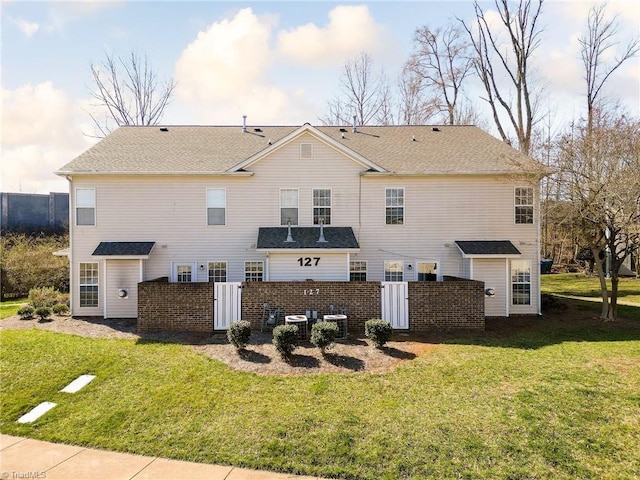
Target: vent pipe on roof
(289, 237)
(355, 128)
(321, 239)
(244, 124)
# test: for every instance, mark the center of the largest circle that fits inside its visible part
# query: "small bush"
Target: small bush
(239, 333)
(60, 309)
(323, 334)
(26, 312)
(285, 339)
(44, 313)
(44, 297)
(378, 331)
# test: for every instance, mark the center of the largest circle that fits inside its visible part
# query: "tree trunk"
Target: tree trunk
(613, 309)
(603, 284)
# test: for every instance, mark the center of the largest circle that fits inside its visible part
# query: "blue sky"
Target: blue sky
(277, 62)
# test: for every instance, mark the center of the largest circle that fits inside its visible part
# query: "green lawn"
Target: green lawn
(11, 307)
(582, 285)
(548, 400)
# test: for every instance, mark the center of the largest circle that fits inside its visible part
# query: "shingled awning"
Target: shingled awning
(124, 250)
(487, 249)
(307, 238)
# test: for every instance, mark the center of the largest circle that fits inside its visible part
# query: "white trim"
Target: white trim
(174, 271)
(330, 207)
(297, 207)
(427, 260)
(94, 206)
(404, 207)
(316, 133)
(207, 207)
(141, 270)
(366, 269)
(533, 205)
(121, 257)
(104, 306)
(508, 285)
(471, 268)
(384, 270)
(308, 250)
(226, 269)
(244, 271)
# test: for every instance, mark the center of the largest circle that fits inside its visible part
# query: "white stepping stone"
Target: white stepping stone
(79, 383)
(36, 412)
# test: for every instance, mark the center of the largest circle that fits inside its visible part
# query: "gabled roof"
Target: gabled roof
(487, 249)
(409, 150)
(336, 238)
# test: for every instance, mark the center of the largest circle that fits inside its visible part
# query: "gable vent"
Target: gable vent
(306, 150)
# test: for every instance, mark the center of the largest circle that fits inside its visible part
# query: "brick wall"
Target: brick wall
(181, 307)
(452, 304)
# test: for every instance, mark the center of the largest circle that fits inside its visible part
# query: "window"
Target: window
(322, 206)
(357, 271)
(216, 206)
(184, 273)
(288, 206)
(253, 271)
(85, 206)
(394, 206)
(306, 150)
(521, 282)
(217, 271)
(427, 271)
(393, 271)
(89, 284)
(524, 204)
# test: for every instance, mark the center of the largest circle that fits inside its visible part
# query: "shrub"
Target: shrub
(26, 312)
(285, 339)
(377, 330)
(44, 313)
(323, 335)
(44, 297)
(239, 333)
(60, 309)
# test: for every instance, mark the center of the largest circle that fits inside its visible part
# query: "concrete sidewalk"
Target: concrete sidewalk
(26, 458)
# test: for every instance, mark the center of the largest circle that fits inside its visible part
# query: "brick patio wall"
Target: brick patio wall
(452, 304)
(175, 307)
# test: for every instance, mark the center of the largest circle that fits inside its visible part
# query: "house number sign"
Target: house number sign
(309, 261)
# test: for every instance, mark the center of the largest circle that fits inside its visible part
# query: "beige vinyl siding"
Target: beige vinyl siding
(493, 272)
(283, 267)
(122, 274)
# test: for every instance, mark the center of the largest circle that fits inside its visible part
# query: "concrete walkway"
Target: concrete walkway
(27, 458)
(596, 299)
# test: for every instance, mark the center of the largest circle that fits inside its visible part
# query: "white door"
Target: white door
(395, 304)
(227, 304)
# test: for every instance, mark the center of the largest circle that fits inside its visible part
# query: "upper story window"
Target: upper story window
(306, 150)
(85, 206)
(217, 271)
(394, 203)
(88, 284)
(523, 204)
(254, 271)
(216, 206)
(521, 282)
(357, 271)
(393, 271)
(288, 206)
(322, 206)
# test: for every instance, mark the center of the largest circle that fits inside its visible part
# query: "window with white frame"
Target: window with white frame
(393, 271)
(85, 206)
(427, 271)
(288, 206)
(322, 206)
(216, 206)
(184, 273)
(394, 203)
(88, 277)
(357, 271)
(523, 200)
(521, 282)
(217, 271)
(254, 271)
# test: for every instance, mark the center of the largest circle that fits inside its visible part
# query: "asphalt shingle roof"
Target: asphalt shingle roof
(487, 247)
(123, 248)
(306, 237)
(217, 149)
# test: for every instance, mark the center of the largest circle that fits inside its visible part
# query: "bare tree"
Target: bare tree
(129, 90)
(364, 94)
(494, 60)
(601, 185)
(601, 37)
(442, 60)
(413, 108)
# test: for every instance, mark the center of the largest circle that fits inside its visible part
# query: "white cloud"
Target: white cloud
(41, 131)
(350, 31)
(25, 26)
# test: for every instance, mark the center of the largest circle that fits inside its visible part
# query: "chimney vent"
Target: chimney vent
(355, 128)
(244, 124)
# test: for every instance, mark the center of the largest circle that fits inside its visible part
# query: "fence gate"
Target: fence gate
(227, 304)
(395, 304)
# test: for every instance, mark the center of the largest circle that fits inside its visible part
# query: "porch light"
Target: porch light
(490, 292)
